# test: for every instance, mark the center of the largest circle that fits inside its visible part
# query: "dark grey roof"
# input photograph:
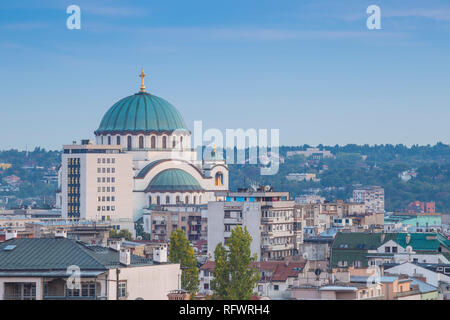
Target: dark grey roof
(59, 254)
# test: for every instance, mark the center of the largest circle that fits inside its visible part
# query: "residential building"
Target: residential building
(96, 184)
(309, 199)
(161, 221)
(44, 269)
(364, 249)
(275, 277)
(372, 197)
(270, 217)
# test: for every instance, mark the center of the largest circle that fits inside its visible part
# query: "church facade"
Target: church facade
(154, 164)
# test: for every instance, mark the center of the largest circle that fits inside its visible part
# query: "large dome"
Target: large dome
(171, 180)
(141, 113)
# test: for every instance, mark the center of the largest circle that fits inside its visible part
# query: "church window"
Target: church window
(118, 140)
(141, 142)
(186, 200)
(109, 140)
(164, 142)
(181, 142)
(150, 200)
(153, 142)
(177, 199)
(195, 200)
(167, 200)
(158, 200)
(129, 145)
(219, 179)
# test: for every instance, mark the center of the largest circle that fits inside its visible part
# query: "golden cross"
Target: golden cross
(142, 76)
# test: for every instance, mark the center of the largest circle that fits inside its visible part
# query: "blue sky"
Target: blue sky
(309, 68)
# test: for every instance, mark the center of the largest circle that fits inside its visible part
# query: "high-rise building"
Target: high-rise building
(96, 184)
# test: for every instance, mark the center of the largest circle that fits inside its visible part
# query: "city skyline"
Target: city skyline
(311, 69)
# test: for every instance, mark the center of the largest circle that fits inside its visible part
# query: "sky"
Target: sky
(311, 69)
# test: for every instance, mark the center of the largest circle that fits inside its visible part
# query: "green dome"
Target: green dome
(141, 113)
(173, 180)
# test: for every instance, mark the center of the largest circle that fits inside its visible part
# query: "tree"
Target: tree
(234, 275)
(121, 234)
(221, 272)
(180, 251)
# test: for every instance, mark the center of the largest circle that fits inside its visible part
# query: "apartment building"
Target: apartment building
(274, 224)
(161, 221)
(371, 196)
(96, 183)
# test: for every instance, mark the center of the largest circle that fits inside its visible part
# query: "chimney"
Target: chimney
(114, 244)
(125, 256)
(10, 234)
(60, 234)
(160, 254)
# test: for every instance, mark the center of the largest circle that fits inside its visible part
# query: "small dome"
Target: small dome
(141, 113)
(171, 180)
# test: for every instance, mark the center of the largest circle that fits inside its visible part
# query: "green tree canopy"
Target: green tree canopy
(234, 277)
(181, 252)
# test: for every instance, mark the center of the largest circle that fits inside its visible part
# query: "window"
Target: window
(153, 142)
(206, 286)
(275, 287)
(158, 200)
(141, 142)
(164, 142)
(394, 249)
(387, 249)
(118, 140)
(186, 200)
(122, 290)
(129, 144)
(167, 200)
(109, 140)
(218, 179)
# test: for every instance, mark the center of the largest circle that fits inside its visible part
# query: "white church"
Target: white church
(142, 156)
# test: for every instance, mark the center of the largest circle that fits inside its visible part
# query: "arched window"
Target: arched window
(174, 142)
(218, 179)
(150, 200)
(195, 200)
(181, 142)
(199, 199)
(101, 140)
(158, 200)
(186, 201)
(167, 200)
(177, 199)
(118, 140)
(141, 142)
(164, 142)
(109, 140)
(129, 145)
(153, 142)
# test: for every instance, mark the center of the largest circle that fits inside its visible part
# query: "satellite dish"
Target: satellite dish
(305, 255)
(317, 272)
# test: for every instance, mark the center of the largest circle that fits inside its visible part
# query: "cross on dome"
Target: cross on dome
(142, 76)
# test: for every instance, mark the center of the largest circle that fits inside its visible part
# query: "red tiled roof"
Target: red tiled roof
(280, 270)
